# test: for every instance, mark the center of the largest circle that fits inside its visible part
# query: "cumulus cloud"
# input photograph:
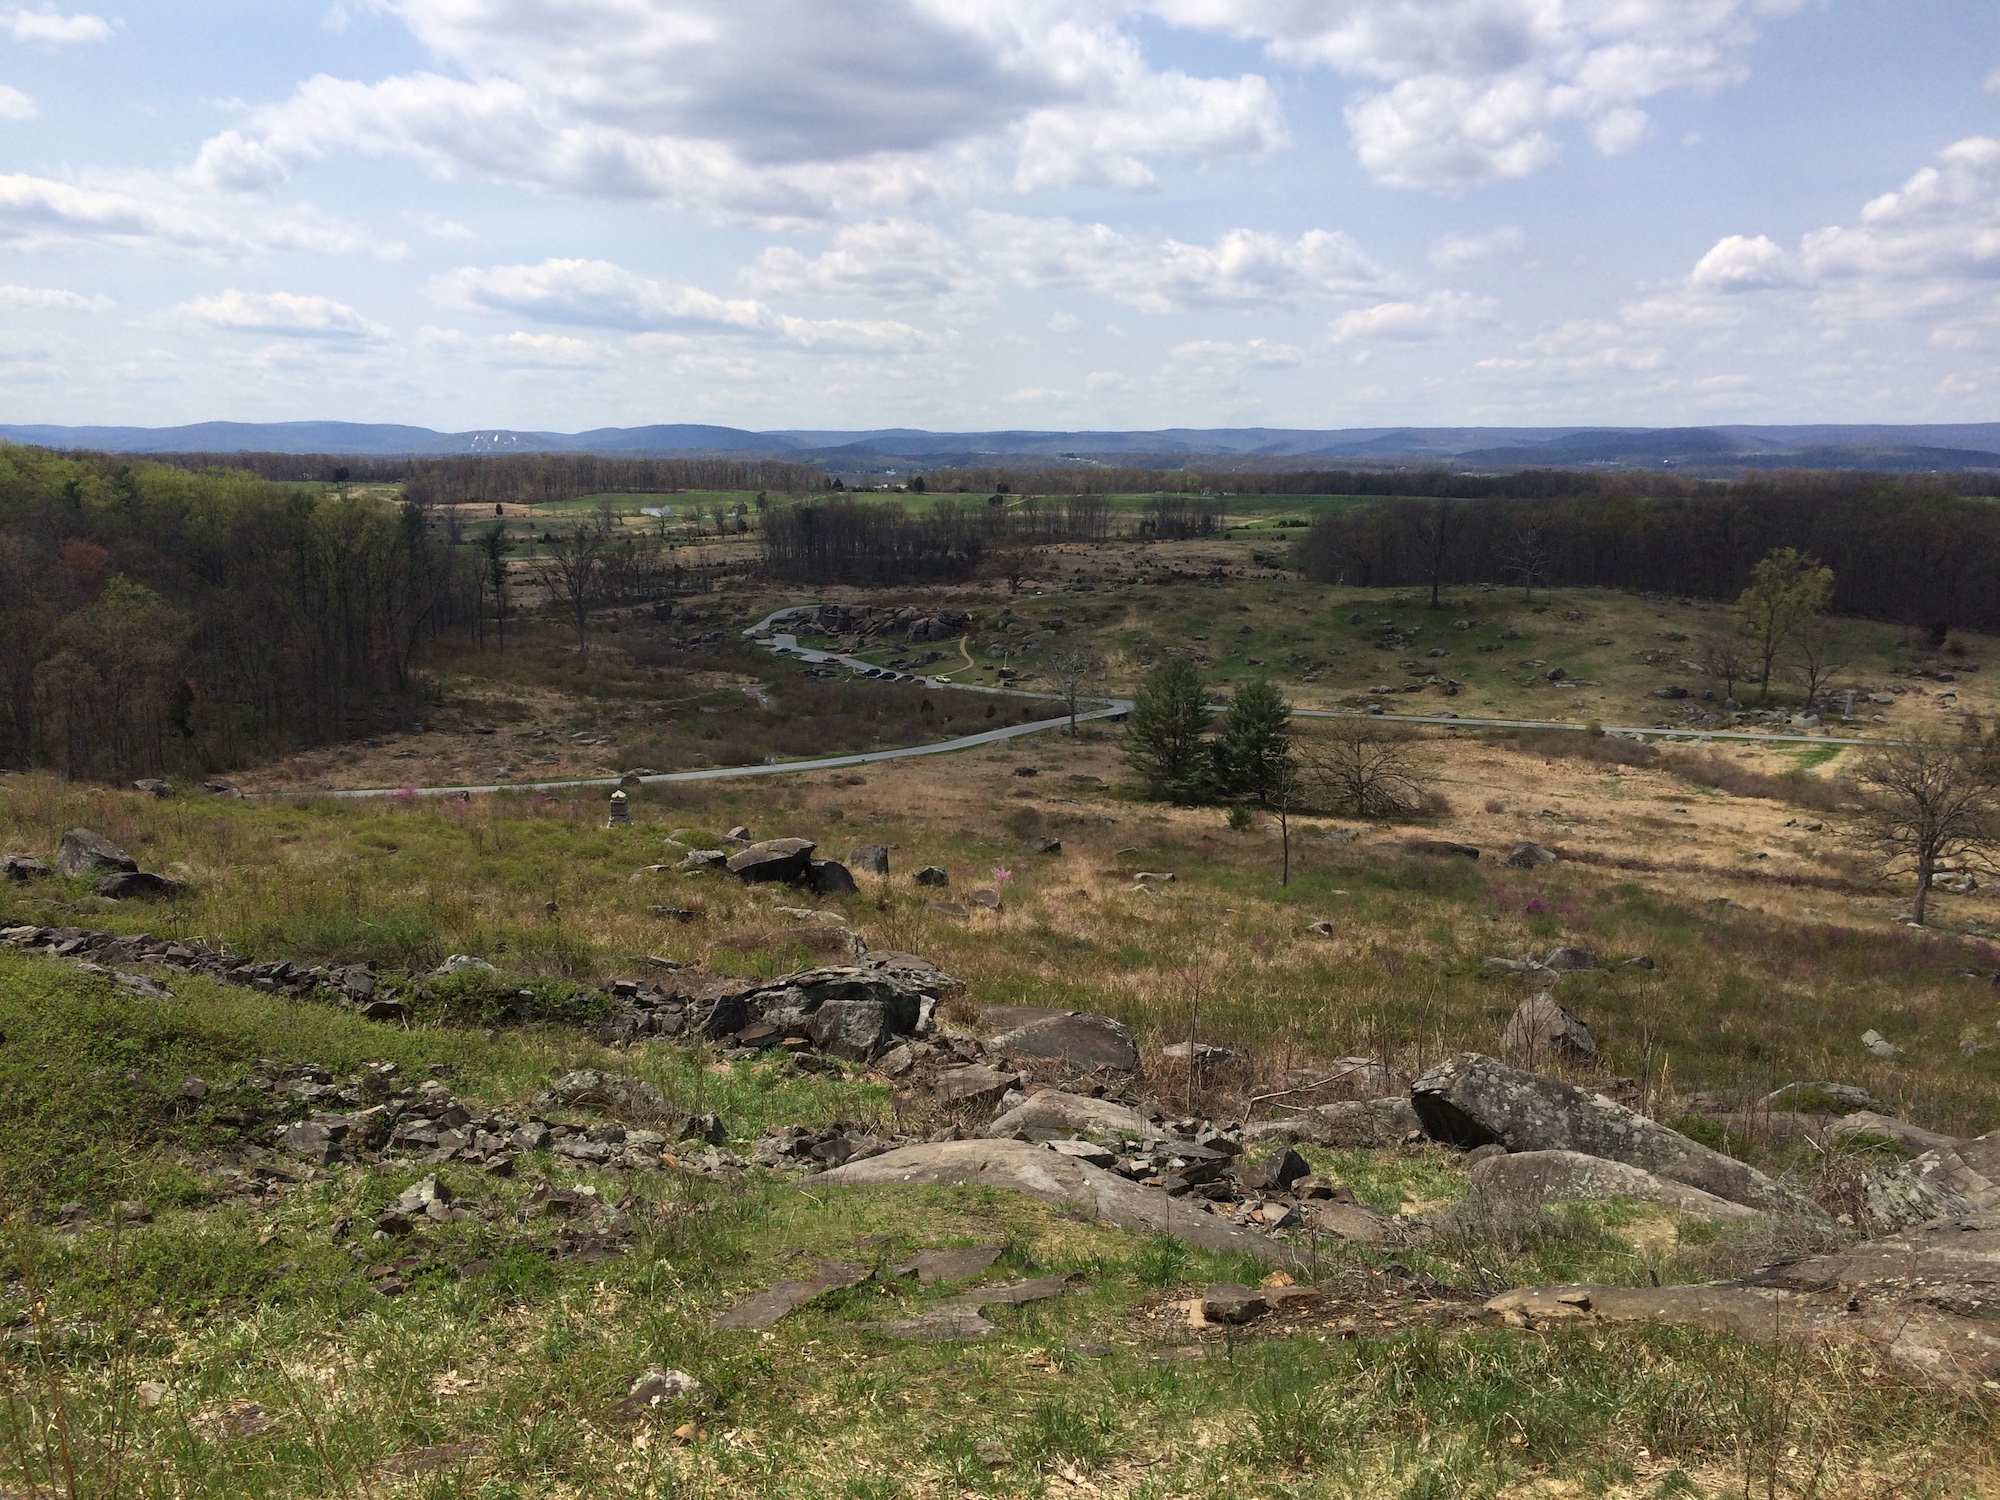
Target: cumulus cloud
(50, 26)
(599, 294)
(544, 351)
(890, 260)
(1441, 315)
(1456, 250)
(1471, 91)
(1930, 247)
(762, 107)
(281, 314)
(1251, 354)
(150, 212)
(1243, 268)
(51, 299)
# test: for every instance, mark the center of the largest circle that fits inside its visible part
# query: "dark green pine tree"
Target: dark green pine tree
(1253, 750)
(1166, 733)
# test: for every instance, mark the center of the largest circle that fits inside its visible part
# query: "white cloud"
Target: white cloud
(1930, 248)
(145, 211)
(1455, 250)
(1441, 315)
(1063, 322)
(1744, 264)
(763, 107)
(890, 260)
(1234, 358)
(599, 294)
(50, 26)
(50, 299)
(1470, 91)
(1243, 268)
(545, 351)
(281, 314)
(15, 105)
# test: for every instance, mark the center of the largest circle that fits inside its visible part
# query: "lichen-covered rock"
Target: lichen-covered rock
(1541, 1030)
(1570, 1176)
(83, 852)
(1471, 1100)
(774, 859)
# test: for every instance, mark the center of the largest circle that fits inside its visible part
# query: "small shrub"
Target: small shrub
(1241, 819)
(474, 998)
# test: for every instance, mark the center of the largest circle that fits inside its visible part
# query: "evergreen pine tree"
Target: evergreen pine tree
(1165, 734)
(1253, 750)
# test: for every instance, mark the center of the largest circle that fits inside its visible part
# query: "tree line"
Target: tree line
(838, 539)
(513, 478)
(1903, 550)
(155, 620)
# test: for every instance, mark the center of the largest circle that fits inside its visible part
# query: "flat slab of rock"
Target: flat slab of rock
(764, 1308)
(773, 859)
(1024, 1167)
(933, 1266)
(963, 1319)
(1357, 1222)
(617, 1094)
(1570, 1176)
(135, 885)
(1053, 1113)
(1471, 1100)
(1077, 1039)
(83, 852)
(973, 1087)
(1915, 1298)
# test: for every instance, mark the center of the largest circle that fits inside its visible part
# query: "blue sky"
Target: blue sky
(1001, 213)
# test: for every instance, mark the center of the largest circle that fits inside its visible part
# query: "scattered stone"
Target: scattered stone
(1348, 1125)
(1090, 1151)
(617, 1094)
(870, 859)
(1053, 1178)
(1881, 1046)
(975, 1087)
(1441, 847)
(946, 908)
(1470, 1100)
(83, 852)
(1540, 1030)
(461, 963)
(933, 1266)
(655, 1388)
(698, 860)
(985, 899)
(1053, 1112)
(786, 860)
(953, 1323)
(932, 875)
(1045, 846)
(152, 786)
(1568, 959)
(1154, 877)
(1537, 1177)
(767, 1307)
(1530, 856)
(1953, 1181)
(1200, 1055)
(1228, 1302)
(1076, 1039)
(23, 867)
(1321, 928)
(1914, 1138)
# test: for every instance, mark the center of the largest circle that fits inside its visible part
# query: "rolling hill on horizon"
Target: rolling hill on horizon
(1886, 447)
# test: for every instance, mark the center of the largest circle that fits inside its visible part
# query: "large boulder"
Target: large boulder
(1530, 856)
(1570, 1176)
(135, 885)
(1054, 1178)
(1470, 1101)
(22, 867)
(879, 1001)
(829, 877)
(869, 859)
(1913, 1138)
(1348, 1125)
(921, 972)
(1542, 1031)
(1954, 1181)
(1076, 1039)
(1054, 1113)
(83, 852)
(774, 859)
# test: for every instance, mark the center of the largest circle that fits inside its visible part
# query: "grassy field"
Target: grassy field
(196, 1330)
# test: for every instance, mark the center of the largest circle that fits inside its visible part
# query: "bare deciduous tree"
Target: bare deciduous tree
(1365, 769)
(1434, 531)
(1934, 802)
(1815, 652)
(1727, 657)
(1528, 557)
(1072, 670)
(571, 568)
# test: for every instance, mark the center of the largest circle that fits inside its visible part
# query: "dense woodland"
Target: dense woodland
(844, 540)
(155, 620)
(1910, 551)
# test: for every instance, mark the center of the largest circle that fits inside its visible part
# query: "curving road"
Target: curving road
(785, 644)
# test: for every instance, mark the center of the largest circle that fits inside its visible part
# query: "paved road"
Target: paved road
(785, 644)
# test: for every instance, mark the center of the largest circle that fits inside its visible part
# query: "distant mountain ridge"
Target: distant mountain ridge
(1903, 448)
